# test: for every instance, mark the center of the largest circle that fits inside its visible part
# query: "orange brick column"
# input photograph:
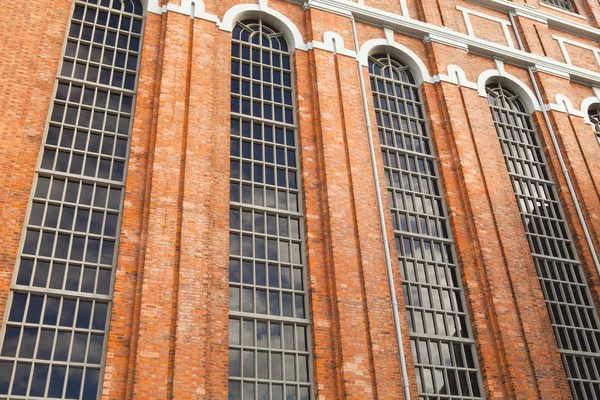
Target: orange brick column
(323, 299)
(153, 363)
(122, 339)
(201, 367)
(346, 263)
(441, 104)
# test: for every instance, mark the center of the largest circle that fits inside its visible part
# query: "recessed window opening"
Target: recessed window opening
(440, 332)
(594, 114)
(566, 5)
(269, 325)
(561, 276)
(53, 340)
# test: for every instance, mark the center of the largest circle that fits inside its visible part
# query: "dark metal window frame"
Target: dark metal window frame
(266, 214)
(561, 275)
(566, 5)
(446, 364)
(97, 83)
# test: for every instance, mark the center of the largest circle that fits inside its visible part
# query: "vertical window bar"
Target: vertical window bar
(269, 326)
(54, 335)
(561, 276)
(440, 331)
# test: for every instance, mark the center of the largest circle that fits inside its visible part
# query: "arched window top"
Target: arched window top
(128, 6)
(500, 96)
(260, 33)
(387, 67)
(594, 114)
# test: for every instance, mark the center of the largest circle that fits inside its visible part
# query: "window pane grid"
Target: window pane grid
(594, 115)
(441, 341)
(568, 300)
(54, 335)
(566, 5)
(269, 327)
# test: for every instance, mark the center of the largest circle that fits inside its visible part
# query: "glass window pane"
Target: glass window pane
(264, 173)
(421, 230)
(69, 244)
(550, 241)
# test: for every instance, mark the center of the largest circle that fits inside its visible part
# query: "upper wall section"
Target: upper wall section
(559, 43)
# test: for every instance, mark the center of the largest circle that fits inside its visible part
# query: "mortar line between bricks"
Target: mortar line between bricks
(137, 303)
(356, 236)
(339, 380)
(177, 264)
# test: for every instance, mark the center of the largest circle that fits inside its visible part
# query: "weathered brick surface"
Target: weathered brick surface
(32, 40)
(168, 333)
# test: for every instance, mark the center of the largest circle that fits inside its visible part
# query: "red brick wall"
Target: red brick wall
(168, 334)
(27, 82)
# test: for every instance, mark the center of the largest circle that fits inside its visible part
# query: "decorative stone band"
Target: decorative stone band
(334, 43)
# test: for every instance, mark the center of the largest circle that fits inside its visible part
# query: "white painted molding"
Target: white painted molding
(334, 43)
(499, 66)
(402, 53)
(154, 8)
(540, 15)
(192, 8)
(456, 76)
(528, 97)
(504, 23)
(426, 31)
(445, 40)
(445, 35)
(404, 8)
(562, 41)
(273, 17)
(563, 104)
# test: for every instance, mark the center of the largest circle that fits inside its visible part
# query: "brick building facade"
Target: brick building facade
(286, 199)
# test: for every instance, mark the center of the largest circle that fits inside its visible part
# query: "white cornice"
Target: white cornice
(447, 36)
(333, 42)
(536, 14)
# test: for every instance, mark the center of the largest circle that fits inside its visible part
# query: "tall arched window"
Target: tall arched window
(566, 5)
(569, 302)
(441, 339)
(269, 327)
(55, 328)
(594, 114)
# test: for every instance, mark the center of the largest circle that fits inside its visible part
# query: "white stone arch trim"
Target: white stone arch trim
(154, 8)
(402, 53)
(586, 104)
(527, 96)
(193, 8)
(457, 76)
(563, 104)
(333, 42)
(273, 17)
